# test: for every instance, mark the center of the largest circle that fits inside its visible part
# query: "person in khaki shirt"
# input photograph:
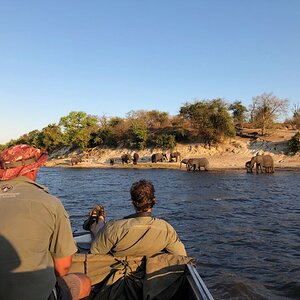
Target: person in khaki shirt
(139, 234)
(36, 239)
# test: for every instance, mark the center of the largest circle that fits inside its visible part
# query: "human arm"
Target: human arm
(62, 265)
(174, 244)
(104, 240)
(62, 244)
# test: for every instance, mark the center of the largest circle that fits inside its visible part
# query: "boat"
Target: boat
(163, 281)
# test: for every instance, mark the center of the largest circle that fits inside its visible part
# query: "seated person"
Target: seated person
(138, 234)
(36, 239)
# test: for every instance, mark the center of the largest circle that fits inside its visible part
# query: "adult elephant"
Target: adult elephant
(263, 163)
(75, 160)
(175, 155)
(135, 158)
(158, 157)
(126, 158)
(197, 163)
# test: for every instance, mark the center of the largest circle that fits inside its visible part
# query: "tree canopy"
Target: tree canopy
(265, 110)
(210, 118)
(205, 121)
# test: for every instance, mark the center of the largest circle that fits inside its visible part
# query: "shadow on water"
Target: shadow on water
(243, 229)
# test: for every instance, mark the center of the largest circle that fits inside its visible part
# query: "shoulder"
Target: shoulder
(115, 224)
(39, 195)
(163, 223)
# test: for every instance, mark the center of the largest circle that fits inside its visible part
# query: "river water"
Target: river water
(242, 229)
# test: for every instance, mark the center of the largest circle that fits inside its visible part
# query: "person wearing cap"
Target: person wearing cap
(36, 239)
(139, 234)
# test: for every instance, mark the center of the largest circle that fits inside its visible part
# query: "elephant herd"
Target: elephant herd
(126, 159)
(264, 164)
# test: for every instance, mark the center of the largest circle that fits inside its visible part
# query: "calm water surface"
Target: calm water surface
(243, 229)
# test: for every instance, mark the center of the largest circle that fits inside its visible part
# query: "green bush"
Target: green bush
(294, 143)
(138, 138)
(165, 141)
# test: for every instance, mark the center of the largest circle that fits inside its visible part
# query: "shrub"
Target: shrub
(294, 143)
(165, 141)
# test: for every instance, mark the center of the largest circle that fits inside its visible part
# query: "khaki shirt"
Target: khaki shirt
(34, 229)
(137, 236)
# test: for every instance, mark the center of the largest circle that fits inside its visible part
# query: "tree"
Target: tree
(239, 112)
(33, 138)
(52, 137)
(265, 109)
(165, 141)
(295, 121)
(77, 128)
(149, 119)
(138, 138)
(210, 119)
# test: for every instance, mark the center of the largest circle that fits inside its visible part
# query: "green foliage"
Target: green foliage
(165, 141)
(103, 137)
(294, 143)
(77, 128)
(52, 137)
(33, 138)
(239, 112)
(115, 121)
(138, 138)
(210, 118)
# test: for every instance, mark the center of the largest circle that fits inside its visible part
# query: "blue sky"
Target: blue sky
(111, 57)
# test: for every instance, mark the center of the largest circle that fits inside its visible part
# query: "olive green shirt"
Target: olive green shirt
(137, 236)
(34, 229)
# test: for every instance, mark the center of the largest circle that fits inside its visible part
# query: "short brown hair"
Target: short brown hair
(142, 195)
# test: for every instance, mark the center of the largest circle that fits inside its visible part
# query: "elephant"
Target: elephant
(75, 160)
(197, 163)
(247, 166)
(174, 155)
(135, 158)
(184, 161)
(263, 163)
(126, 158)
(158, 157)
(111, 161)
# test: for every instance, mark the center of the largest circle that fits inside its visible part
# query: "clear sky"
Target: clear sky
(111, 57)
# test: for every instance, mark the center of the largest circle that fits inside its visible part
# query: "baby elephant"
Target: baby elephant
(248, 166)
(197, 163)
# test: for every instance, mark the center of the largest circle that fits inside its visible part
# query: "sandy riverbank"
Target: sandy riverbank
(230, 155)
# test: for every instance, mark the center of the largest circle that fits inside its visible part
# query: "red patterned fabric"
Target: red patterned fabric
(20, 153)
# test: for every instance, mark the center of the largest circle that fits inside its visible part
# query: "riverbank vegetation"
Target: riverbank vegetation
(202, 121)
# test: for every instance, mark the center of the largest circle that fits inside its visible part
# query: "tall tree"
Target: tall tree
(210, 118)
(52, 137)
(149, 119)
(266, 109)
(239, 112)
(77, 128)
